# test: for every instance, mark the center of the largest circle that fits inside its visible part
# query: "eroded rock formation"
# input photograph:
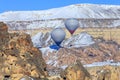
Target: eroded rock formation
(18, 57)
(76, 72)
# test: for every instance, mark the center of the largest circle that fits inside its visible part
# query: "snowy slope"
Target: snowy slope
(80, 40)
(76, 11)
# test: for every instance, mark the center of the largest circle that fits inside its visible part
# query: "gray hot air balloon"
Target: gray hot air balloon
(58, 35)
(71, 24)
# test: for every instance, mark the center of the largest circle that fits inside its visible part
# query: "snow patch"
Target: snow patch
(109, 62)
(64, 67)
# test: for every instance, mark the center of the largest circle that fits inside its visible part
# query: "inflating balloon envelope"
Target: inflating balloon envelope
(71, 24)
(58, 35)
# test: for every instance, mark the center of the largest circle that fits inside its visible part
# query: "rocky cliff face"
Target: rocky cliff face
(18, 57)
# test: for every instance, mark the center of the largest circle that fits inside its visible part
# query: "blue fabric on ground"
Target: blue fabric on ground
(56, 47)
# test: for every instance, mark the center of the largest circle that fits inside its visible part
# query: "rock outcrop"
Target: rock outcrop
(18, 57)
(76, 72)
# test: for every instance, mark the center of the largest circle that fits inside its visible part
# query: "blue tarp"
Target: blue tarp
(56, 47)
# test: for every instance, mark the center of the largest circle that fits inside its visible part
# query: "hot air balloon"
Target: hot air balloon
(58, 35)
(71, 24)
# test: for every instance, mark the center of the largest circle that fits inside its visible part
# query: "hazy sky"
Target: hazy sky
(22, 5)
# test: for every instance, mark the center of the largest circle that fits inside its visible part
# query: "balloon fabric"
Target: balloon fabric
(58, 35)
(71, 24)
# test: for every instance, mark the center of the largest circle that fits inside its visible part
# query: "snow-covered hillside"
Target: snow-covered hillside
(89, 15)
(75, 11)
(42, 40)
